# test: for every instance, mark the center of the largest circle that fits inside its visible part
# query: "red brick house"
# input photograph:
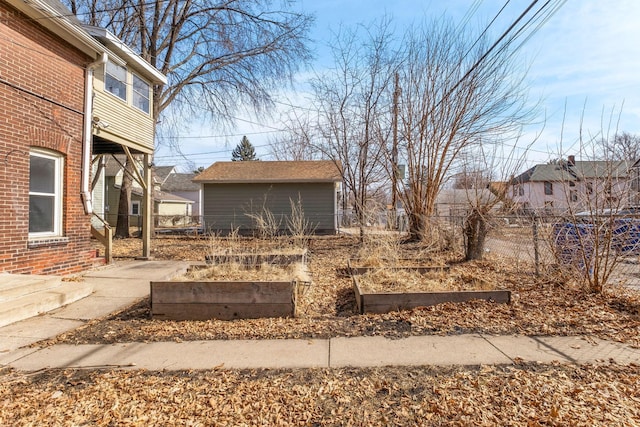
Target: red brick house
(52, 74)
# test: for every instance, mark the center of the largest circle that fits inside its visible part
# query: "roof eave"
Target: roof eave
(60, 25)
(126, 53)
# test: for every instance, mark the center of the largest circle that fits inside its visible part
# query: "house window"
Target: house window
(115, 80)
(548, 206)
(141, 94)
(518, 190)
(573, 195)
(45, 194)
(135, 207)
(589, 188)
(548, 188)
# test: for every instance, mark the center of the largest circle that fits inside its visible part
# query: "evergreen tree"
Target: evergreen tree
(244, 151)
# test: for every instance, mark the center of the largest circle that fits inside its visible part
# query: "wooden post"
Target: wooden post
(536, 249)
(147, 208)
(394, 155)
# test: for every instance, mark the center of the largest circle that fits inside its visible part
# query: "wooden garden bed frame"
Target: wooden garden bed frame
(225, 300)
(386, 302)
(354, 268)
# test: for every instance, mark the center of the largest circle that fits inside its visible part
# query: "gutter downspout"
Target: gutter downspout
(87, 134)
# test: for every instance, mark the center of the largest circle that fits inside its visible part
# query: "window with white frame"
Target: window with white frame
(115, 80)
(548, 188)
(135, 207)
(141, 94)
(45, 193)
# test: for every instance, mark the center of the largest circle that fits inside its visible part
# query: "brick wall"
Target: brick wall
(41, 104)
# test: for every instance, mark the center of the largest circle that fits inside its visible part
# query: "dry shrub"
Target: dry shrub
(299, 226)
(438, 238)
(236, 249)
(266, 225)
(379, 249)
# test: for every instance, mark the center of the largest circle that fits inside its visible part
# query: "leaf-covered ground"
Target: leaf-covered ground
(540, 306)
(514, 395)
(521, 395)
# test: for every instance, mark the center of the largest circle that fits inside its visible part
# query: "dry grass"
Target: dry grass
(239, 272)
(389, 280)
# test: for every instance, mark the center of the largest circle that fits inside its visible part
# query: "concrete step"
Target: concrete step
(14, 286)
(34, 303)
(99, 261)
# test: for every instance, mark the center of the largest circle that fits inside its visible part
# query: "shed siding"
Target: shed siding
(229, 206)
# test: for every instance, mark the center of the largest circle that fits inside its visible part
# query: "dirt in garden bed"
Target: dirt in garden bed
(240, 272)
(390, 280)
(327, 308)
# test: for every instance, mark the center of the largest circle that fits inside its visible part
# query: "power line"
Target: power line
(230, 135)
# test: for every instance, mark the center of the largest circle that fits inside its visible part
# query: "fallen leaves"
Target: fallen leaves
(487, 395)
(327, 307)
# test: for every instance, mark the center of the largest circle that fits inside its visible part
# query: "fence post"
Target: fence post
(536, 249)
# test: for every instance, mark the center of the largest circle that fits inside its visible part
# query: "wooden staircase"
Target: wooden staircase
(104, 236)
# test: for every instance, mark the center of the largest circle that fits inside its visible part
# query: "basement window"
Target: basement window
(45, 194)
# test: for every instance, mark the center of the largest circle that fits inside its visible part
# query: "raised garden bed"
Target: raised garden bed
(200, 297)
(256, 259)
(360, 266)
(384, 297)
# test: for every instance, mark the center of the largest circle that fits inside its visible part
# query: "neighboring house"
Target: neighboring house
(635, 183)
(233, 192)
(556, 187)
(458, 202)
(57, 108)
(182, 185)
(169, 209)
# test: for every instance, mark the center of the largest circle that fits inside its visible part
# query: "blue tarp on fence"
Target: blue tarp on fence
(574, 243)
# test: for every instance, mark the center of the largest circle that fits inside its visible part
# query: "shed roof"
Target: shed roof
(271, 171)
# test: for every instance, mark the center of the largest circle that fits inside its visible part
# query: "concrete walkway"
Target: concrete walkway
(333, 353)
(119, 286)
(114, 287)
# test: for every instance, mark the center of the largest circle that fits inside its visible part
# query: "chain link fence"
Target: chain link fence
(538, 244)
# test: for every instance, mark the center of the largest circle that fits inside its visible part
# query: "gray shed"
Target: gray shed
(235, 192)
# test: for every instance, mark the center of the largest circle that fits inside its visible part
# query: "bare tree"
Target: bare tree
(487, 171)
(297, 141)
(218, 55)
(354, 106)
(623, 146)
(454, 97)
(596, 233)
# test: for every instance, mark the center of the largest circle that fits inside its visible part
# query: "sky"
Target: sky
(584, 67)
